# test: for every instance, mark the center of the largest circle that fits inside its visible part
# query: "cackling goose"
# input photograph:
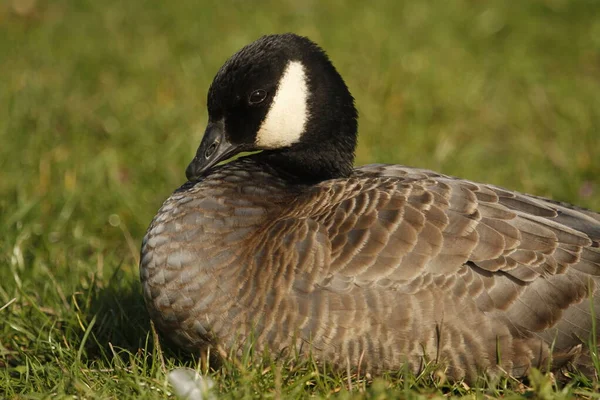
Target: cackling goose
(373, 268)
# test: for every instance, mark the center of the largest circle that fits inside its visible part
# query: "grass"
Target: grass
(102, 105)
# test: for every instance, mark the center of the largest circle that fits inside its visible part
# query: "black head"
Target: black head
(282, 95)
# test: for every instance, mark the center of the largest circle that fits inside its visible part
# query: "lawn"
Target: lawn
(102, 105)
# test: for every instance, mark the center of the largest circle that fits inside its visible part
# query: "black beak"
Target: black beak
(214, 148)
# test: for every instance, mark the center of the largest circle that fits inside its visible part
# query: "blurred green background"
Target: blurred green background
(102, 105)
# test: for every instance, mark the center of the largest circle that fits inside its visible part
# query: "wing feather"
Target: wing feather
(518, 259)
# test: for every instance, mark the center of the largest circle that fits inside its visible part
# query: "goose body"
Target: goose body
(374, 267)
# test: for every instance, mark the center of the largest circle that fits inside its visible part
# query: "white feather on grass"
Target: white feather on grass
(190, 385)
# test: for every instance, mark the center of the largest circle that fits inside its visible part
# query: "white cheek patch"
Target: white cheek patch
(286, 120)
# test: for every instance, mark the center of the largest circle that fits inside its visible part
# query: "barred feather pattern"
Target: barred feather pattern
(394, 266)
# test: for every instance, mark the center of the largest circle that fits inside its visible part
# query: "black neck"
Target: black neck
(310, 165)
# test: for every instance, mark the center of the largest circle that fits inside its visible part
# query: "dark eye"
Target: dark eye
(258, 96)
(211, 149)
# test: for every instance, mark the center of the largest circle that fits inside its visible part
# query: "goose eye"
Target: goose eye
(211, 149)
(258, 96)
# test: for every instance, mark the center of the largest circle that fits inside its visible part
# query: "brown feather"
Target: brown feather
(391, 266)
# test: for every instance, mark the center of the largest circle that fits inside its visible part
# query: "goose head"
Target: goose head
(280, 95)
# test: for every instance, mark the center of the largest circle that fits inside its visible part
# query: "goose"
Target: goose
(375, 268)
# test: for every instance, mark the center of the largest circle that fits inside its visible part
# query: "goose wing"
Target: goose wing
(471, 252)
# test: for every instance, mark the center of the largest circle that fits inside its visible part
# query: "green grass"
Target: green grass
(102, 105)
